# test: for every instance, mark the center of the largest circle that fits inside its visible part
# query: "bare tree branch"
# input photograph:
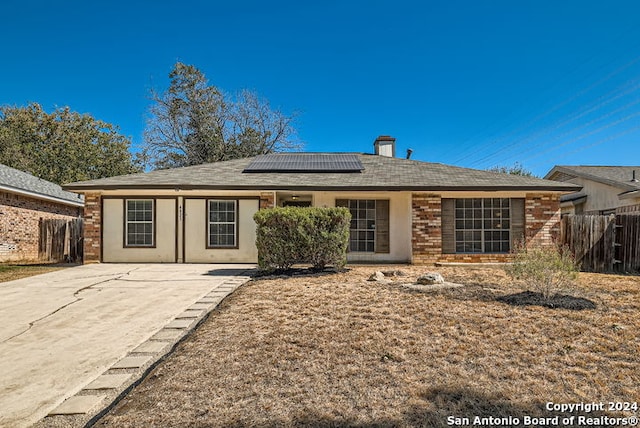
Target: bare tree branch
(194, 122)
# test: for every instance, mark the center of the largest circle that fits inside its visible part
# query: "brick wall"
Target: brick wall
(267, 200)
(542, 217)
(474, 258)
(20, 224)
(92, 223)
(426, 231)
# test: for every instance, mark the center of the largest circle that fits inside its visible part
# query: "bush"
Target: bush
(286, 236)
(278, 238)
(546, 270)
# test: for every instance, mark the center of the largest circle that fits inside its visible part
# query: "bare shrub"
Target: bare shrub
(547, 270)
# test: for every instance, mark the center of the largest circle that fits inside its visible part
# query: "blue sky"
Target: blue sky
(469, 83)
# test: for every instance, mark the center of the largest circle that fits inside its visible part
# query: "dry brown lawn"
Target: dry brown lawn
(337, 350)
(9, 272)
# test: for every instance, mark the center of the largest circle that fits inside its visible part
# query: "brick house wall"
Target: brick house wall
(426, 228)
(20, 224)
(267, 200)
(92, 225)
(542, 222)
(542, 219)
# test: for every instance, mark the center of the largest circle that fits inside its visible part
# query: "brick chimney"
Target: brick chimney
(385, 146)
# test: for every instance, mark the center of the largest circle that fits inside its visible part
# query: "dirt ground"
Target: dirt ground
(338, 350)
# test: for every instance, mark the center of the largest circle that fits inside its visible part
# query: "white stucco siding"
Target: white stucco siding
(195, 234)
(113, 234)
(399, 223)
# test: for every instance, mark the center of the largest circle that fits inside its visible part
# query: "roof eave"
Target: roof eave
(41, 196)
(557, 169)
(632, 194)
(613, 183)
(560, 189)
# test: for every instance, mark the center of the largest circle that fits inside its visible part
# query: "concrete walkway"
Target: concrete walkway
(62, 330)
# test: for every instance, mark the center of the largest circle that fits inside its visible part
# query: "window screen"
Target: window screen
(222, 225)
(369, 229)
(139, 222)
(482, 225)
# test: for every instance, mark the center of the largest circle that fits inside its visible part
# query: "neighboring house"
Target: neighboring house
(605, 189)
(24, 200)
(402, 210)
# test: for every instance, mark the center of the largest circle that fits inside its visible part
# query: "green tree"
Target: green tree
(62, 146)
(516, 169)
(194, 122)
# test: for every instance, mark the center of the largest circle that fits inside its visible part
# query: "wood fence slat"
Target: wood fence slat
(60, 240)
(603, 243)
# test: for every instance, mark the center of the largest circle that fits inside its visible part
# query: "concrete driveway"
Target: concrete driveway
(61, 330)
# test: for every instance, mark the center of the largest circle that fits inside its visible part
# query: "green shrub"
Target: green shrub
(547, 270)
(278, 238)
(327, 237)
(286, 236)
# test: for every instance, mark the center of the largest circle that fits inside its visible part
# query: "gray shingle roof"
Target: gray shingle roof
(13, 179)
(380, 173)
(617, 176)
(305, 162)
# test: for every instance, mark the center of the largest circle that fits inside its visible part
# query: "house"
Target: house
(402, 210)
(605, 189)
(24, 200)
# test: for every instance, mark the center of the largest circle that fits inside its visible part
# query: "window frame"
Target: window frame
(236, 224)
(358, 230)
(479, 234)
(381, 230)
(128, 222)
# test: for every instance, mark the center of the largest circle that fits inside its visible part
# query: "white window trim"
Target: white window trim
(234, 223)
(128, 222)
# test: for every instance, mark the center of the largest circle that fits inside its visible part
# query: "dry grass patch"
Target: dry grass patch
(9, 272)
(340, 351)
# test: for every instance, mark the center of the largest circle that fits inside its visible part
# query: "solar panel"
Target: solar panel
(305, 162)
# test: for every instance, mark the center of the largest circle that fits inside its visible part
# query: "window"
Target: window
(482, 225)
(222, 225)
(139, 222)
(369, 230)
(363, 225)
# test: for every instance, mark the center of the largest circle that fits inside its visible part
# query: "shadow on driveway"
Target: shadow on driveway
(250, 271)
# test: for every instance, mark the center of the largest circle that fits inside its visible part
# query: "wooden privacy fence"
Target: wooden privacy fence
(603, 243)
(60, 240)
(628, 242)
